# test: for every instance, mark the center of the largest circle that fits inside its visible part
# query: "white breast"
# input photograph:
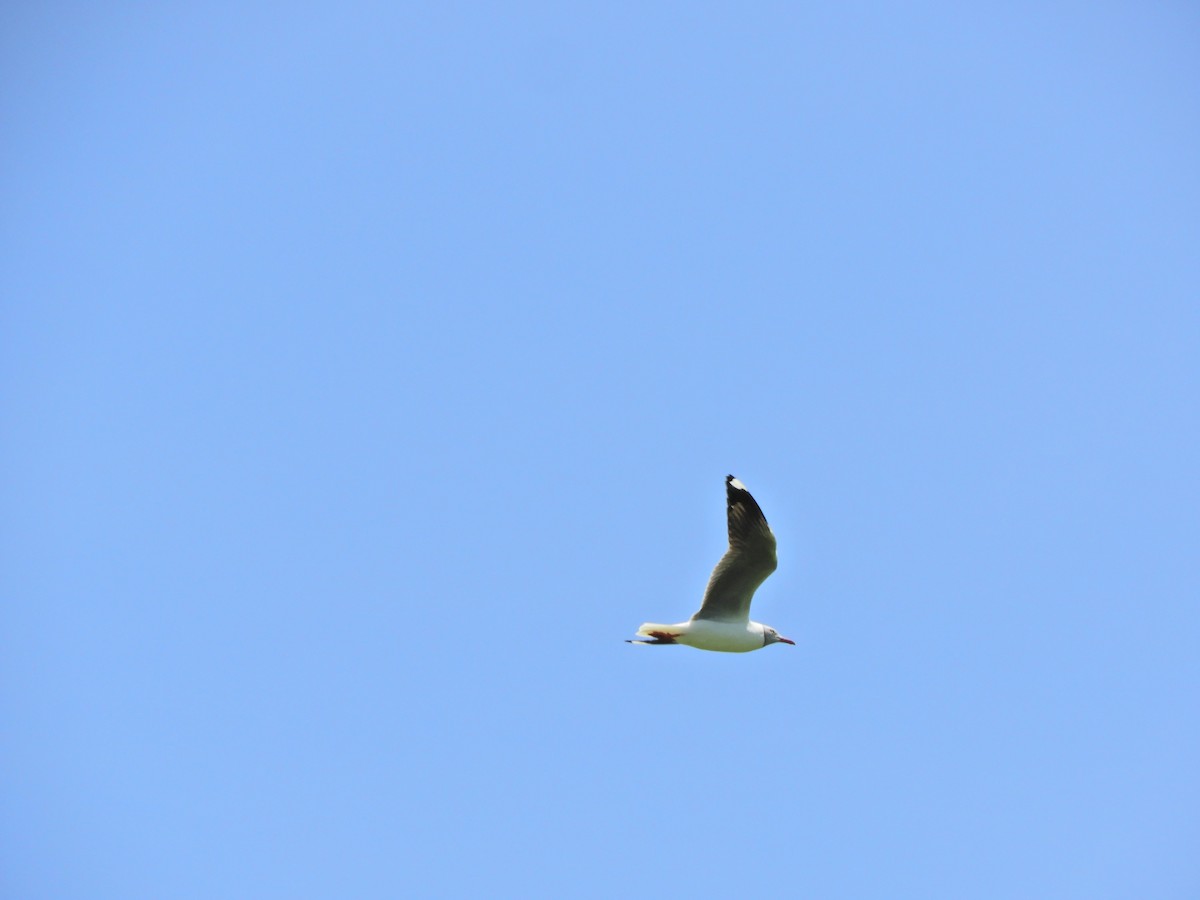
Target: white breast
(731, 637)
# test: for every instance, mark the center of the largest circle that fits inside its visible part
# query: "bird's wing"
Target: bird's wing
(745, 565)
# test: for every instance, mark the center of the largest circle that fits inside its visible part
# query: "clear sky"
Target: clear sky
(370, 372)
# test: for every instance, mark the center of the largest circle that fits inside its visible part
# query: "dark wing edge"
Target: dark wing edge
(747, 563)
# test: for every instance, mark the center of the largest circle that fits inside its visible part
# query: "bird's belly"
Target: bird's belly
(729, 637)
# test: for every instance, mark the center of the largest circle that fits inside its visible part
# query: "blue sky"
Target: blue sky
(371, 371)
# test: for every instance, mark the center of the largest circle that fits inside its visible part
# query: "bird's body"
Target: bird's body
(707, 634)
(723, 621)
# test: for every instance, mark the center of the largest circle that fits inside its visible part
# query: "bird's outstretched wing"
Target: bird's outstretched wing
(745, 565)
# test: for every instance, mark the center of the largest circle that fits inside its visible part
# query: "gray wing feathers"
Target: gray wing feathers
(747, 563)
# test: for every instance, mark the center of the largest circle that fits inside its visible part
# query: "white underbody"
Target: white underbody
(711, 634)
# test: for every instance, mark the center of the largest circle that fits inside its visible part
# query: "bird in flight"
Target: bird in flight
(723, 622)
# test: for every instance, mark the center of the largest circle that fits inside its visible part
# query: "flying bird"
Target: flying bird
(723, 622)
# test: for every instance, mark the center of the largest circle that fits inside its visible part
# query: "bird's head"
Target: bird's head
(771, 636)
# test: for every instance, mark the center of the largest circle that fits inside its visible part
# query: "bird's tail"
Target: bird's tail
(657, 634)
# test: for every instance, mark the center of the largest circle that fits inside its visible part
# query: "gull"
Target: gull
(723, 622)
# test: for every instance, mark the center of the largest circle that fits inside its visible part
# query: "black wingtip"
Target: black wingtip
(738, 495)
